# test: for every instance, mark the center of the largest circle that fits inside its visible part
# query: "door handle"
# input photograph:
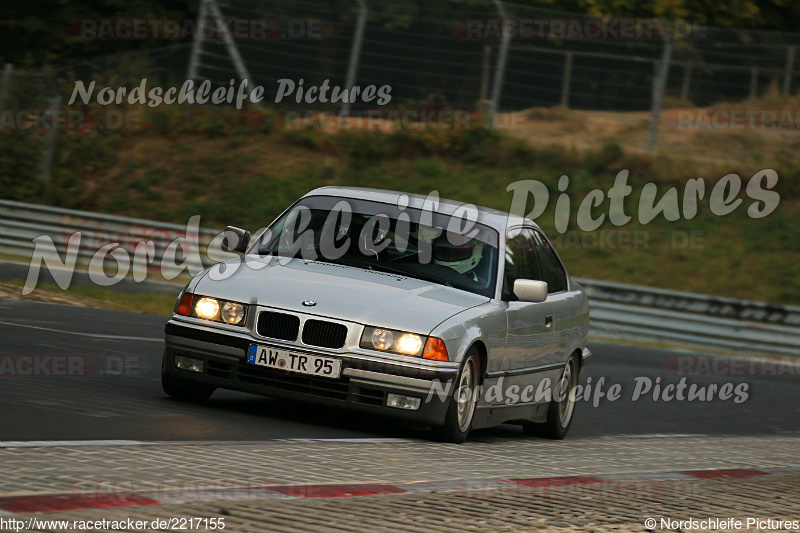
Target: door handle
(548, 321)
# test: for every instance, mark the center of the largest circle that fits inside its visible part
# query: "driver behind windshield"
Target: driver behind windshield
(463, 258)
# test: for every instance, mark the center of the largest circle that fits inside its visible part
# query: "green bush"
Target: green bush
(20, 156)
(603, 160)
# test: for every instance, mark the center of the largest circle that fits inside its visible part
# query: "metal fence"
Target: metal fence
(618, 311)
(511, 57)
(473, 57)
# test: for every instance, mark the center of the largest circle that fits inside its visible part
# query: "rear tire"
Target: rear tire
(185, 391)
(559, 413)
(458, 420)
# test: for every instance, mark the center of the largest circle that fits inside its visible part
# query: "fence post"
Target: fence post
(197, 43)
(500, 67)
(355, 54)
(230, 45)
(687, 80)
(659, 86)
(753, 83)
(46, 161)
(567, 80)
(4, 84)
(787, 73)
(656, 77)
(487, 61)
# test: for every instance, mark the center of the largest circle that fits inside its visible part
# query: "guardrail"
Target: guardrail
(21, 223)
(618, 310)
(716, 306)
(624, 311)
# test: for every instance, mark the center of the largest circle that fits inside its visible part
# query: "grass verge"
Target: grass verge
(156, 304)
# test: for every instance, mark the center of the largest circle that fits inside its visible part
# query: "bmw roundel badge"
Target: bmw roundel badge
(309, 303)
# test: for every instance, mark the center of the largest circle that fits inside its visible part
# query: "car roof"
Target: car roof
(494, 218)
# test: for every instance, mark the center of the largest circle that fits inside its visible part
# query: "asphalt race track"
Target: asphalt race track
(117, 394)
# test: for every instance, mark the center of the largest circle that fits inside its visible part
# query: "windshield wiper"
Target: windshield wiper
(413, 274)
(382, 267)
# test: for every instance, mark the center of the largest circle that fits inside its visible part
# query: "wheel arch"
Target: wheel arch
(483, 355)
(578, 354)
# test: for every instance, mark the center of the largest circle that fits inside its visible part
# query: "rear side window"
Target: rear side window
(521, 258)
(551, 270)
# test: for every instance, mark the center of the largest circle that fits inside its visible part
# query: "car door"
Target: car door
(530, 351)
(567, 306)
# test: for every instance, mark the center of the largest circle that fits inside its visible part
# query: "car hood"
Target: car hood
(347, 293)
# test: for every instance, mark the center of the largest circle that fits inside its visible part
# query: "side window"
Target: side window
(552, 271)
(521, 261)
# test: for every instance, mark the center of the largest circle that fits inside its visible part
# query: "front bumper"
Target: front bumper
(363, 385)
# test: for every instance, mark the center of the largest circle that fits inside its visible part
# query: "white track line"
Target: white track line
(57, 443)
(93, 335)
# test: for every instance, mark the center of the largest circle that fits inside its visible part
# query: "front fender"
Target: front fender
(485, 323)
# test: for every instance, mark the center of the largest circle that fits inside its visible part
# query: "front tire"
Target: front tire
(461, 410)
(559, 413)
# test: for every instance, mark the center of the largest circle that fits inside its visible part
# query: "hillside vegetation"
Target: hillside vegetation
(243, 168)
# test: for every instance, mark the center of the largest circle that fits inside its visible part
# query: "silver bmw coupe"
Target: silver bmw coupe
(437, 312)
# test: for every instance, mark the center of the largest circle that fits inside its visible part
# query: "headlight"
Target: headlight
(232, 313)
(207, 308)
(409, 343)
(219, 310)
(382, 339)
(389, 340)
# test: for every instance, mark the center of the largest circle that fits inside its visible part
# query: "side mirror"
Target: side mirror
(530, 290)
(235, 240)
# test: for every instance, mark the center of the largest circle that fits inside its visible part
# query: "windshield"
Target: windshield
(449, 250)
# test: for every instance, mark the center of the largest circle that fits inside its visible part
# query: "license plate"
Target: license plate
(300, 363)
